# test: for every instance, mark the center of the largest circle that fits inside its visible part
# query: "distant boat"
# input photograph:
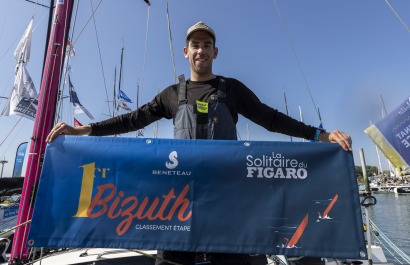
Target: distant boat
(402, 189)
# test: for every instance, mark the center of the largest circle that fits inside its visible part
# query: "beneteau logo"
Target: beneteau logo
(174, 162)
(275, 166)
(171, 164)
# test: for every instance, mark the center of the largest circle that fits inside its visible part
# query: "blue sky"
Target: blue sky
(351, 52)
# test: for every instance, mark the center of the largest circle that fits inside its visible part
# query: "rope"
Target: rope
(145, 53)
(170, 44)
(397, 15)
(298, 62)
(99, 52)
(87, 22)
(14, 227)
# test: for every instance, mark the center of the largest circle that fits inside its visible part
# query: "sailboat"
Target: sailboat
(34, 158)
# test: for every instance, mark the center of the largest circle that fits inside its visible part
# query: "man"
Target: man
(204, 107)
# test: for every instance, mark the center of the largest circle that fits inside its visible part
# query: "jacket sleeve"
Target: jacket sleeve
(137, 119)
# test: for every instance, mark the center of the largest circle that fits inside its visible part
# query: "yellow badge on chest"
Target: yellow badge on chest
(202, 107)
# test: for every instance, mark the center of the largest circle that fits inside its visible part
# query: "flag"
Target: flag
(70, 52)
(22, 52)
(392, 136)
(140, 133)
(18, 163)
(77, 107)
(121, 104)
(70, 49)
(23, 100)
(122, 96)
(77, 123)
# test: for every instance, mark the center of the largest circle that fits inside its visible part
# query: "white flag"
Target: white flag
(23, 99)
(77, 107)
(22, 52)
(121, 104)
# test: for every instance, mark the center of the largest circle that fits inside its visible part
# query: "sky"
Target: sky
(351, 53)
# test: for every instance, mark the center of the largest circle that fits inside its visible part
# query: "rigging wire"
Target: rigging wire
(390, 243)
(298, 62)
(5, 19)
(7, 83)
(87, 22)
(170, 44)
(61, 101)
(38, 4)
(101, 63)
(19, 37)
(12, 129)
(397, 15)
(145, 54)
(12, 141)
(34, 10)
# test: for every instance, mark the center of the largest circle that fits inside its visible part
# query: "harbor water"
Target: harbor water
(391, 215)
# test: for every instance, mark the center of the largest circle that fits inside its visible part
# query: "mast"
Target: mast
(138, 94)
(287, 112)
(114, 102)
(42, 124)
(384, 114)
(247, 130)
(119, 81)
(301, 117)
(378, 157)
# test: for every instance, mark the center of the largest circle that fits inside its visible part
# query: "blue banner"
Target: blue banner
(10, 212)
(18, 163)
(296, 199)
(392, 136)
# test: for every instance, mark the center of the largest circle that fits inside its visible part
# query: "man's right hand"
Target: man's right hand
(64, 129)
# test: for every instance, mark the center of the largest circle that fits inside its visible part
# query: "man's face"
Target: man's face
(201, 52)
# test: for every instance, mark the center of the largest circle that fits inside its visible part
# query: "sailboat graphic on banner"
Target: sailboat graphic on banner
(329, 207)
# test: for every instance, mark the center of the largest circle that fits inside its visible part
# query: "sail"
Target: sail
(330, 206)
(295, 238)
